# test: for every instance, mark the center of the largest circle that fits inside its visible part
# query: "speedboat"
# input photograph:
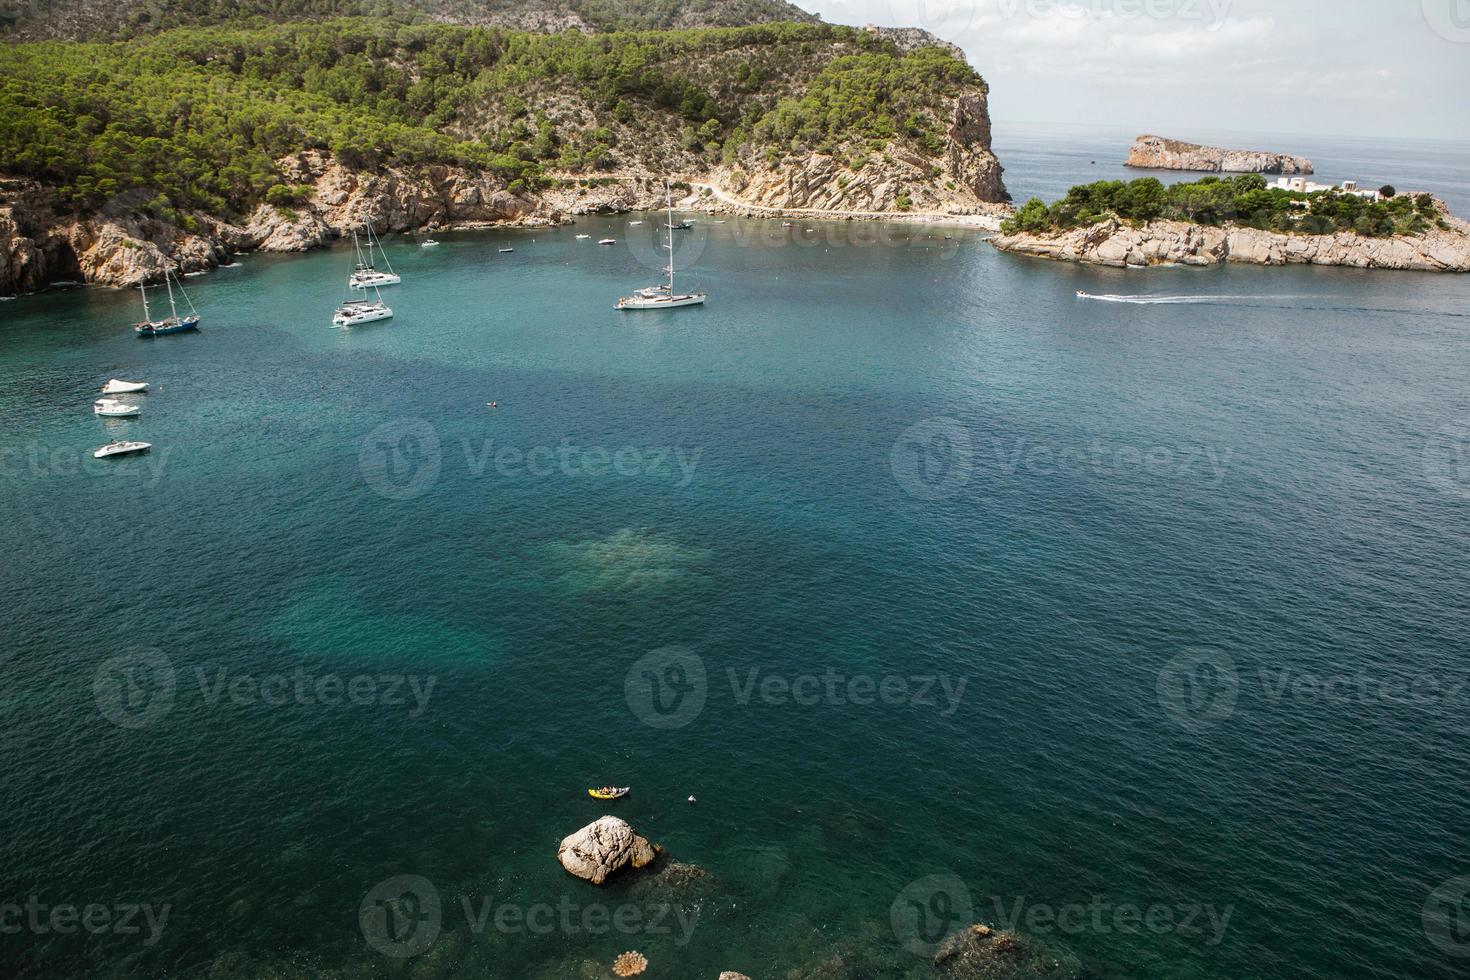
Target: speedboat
(121, 449)
(355, 311)
(504, 250)
(427, 243)
(1081, 294)
(608, 792)
(631, 223)
(580, 237)
(116, 387)
(115, 409)
(607, 241)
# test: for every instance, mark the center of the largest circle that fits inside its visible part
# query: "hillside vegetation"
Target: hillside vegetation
(198, 116)
(1213, 201)
(83, 19)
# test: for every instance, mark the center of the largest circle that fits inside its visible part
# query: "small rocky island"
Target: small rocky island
(1159, 153)
(1213, 221)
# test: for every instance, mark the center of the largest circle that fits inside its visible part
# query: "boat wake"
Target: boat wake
(1265, 302)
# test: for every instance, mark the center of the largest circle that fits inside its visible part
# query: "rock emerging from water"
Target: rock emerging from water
(1158, 153)
(602, 847)
(983, 953)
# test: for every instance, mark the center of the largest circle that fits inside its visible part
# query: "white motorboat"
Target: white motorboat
(662, 296)
(607, 241)
(115, 409)
(502, 251)
(427, 243)
(121, 449)
(356, 307)
(580, 237)
(631, 223)
(365, 272)
(116, 387)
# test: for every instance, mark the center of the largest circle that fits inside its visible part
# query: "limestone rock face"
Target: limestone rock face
(1159, 153)
(1113, 243)
(732, 975)
(970, 158)
(602, 847)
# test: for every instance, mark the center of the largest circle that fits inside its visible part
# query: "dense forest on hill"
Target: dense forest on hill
(199, 115)
(1243, 200)
(82, 19)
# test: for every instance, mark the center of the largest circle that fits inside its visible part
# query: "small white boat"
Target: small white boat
(580, 237)
(115, 409)
(502, 251)
(427, 243)
(607, 241)
(116, 387)
(631, 223)
(121, 449)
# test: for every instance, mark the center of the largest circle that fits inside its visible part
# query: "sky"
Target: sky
(1379, 68)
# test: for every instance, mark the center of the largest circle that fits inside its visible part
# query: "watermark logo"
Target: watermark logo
(401, 460)
(401, 916)
(1198, 688)
(932, 459)
(649, 243)
(667, 688)
(136, 689)
(1450, 19)
(1447, 459)
(928, 910)
(947, 20)
(1446, 917)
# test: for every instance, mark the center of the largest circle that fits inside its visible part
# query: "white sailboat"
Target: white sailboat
(173, 323)
(662, 296)
(358, 308)
(117, 387)
(365, 273)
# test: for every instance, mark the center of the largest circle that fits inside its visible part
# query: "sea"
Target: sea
(905, 589)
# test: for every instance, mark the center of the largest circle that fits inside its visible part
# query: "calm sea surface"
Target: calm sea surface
(1140, 625)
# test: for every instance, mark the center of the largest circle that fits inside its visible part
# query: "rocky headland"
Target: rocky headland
(1116, 243)
(1159, 153)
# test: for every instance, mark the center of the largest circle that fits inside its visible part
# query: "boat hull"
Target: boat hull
(161, 328)
(350, 318)
(115, 387)
(661, 303)
(375, 279)
(121, 449)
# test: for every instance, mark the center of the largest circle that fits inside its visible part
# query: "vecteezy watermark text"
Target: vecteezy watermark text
(936, 458)
(930, 909)
(1202, 687)
(34, 459)
(93, 918)
(669, 687)
(137, 689)
(402, 917)
(404, 459)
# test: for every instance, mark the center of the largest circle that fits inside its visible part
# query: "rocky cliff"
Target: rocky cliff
(1114, 243)
(1158, 153)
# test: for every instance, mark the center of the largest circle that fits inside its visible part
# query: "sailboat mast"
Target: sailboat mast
(669, 230)
(147, 317)
(167, 281)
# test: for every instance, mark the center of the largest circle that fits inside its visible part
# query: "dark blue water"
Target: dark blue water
(1139, 626)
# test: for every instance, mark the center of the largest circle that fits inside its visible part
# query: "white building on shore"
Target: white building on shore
(1304, 186)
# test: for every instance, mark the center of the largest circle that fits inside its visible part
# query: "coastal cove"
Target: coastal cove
(1145, 476)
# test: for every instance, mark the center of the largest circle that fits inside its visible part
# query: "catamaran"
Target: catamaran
(356, 307)
(365, 273)
(662, 296)
(173, 323)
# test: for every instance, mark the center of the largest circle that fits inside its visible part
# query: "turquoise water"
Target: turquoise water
(915, 462)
